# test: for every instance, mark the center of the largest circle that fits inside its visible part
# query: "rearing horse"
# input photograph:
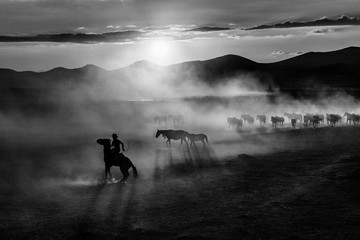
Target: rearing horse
(173, 134)
(111, 160)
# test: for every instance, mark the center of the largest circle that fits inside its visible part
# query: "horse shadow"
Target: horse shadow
(204, 156)
(178, 161)
(110, 207)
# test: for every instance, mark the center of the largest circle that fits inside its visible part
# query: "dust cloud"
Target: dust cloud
(52, 142)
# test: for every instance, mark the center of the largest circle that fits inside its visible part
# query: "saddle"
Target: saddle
(116, 158)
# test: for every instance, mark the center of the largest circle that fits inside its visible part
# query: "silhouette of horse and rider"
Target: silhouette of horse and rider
(113, 157)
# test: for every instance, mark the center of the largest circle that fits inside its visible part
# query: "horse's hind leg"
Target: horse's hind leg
(125, 173)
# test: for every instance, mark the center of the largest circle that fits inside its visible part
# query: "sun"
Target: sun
(160, 51)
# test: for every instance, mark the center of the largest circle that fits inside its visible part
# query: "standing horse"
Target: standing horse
(247, 118)
(196, 138)
(232, 121)
(274, 122)
(173, 134)
(119, 160)
(333, 119)
(178, 119)
(351, 117)
(160, 120)
(277, 120)
(262, 119)
(293, 116)
(321, 118)
(280, 120)
(308, 119)
(316, 121)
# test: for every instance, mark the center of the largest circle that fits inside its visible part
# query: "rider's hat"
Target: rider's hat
(114, 135)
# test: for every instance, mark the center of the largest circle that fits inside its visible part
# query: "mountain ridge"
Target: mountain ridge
(332, 70)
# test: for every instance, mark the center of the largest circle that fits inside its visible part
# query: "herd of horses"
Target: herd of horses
(162, 120)
(314, 120)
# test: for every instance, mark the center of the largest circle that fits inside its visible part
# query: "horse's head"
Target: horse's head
(158, 132)
(104, 142)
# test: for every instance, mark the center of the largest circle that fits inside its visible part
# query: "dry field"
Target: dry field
(286, 184)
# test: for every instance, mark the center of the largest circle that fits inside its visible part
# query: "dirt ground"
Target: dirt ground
(286, 184)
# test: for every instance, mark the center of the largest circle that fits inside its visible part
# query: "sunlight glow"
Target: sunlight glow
(160, 51)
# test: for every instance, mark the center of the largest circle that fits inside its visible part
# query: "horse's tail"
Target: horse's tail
(133, 167)
(134, 171)
(206, 138)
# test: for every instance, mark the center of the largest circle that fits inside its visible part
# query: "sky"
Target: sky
(158, 31)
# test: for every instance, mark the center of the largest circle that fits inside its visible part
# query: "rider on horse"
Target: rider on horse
(115, 145)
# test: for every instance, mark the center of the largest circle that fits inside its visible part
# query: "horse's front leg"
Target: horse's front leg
(111, 176)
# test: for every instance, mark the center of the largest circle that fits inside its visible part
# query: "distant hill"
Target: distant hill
(327, 70)
(335, 70)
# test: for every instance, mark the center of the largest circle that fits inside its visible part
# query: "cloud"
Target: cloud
(249, 37)
(278, 53)
(208, 29)
(113, 27)
(113, 35)
(321, 31)
(283, 53)
(296, 53)
(119, 36)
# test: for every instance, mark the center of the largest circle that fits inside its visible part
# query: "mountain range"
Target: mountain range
(312, 71)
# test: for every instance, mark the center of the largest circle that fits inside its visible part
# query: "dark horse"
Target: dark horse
(196, 138)
(173, 134)
(111, 160)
